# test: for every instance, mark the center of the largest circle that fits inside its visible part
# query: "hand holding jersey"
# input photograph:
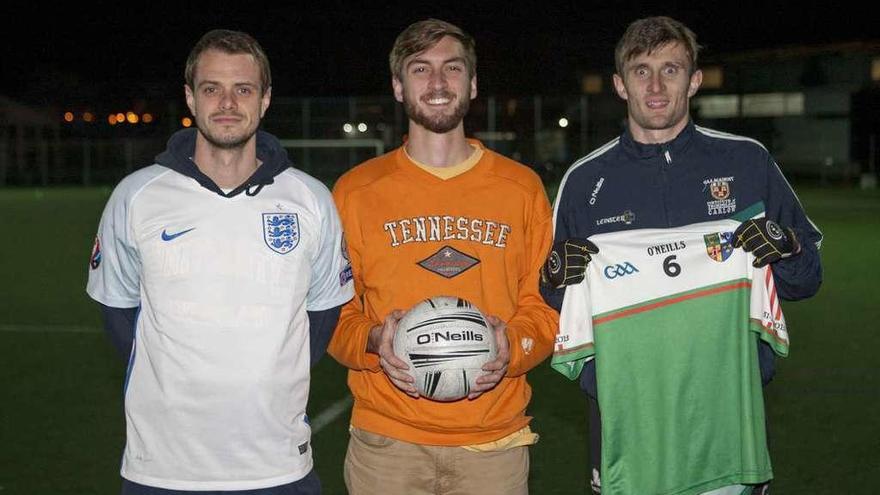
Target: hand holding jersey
(567, 262)
(766, 240)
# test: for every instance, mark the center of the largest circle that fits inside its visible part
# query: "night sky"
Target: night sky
(115, 51)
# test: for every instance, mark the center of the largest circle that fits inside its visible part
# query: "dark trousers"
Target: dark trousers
(309, 485)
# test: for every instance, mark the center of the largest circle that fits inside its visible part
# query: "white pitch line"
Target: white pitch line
(330, 414)
(48, 328)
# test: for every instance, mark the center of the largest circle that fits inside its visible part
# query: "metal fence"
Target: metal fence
(326, 136)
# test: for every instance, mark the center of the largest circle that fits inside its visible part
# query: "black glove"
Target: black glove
(567, 262)
(766, 240)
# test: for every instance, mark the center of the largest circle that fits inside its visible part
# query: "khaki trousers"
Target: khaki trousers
(379, 465)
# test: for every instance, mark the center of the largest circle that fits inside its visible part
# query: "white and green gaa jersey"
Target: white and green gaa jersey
(218, 377)
(671, 317)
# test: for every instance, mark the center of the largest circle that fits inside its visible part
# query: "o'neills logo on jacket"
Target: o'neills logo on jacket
(439, 228)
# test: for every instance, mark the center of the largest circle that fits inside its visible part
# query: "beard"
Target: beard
(439, 123)
(225, 140)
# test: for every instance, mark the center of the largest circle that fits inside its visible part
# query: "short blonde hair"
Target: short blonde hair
(422, 35)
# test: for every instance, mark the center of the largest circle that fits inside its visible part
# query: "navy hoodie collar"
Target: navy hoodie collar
(674, 147)
(182, 146)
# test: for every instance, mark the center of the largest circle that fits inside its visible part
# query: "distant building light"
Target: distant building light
(186, 122)
(563, 122)
(120, 117)
(111, 119)
(68, 116)
(362, 127)
(511, 107)
(717, 106)
(752, 105)
(591, 84)
(147, 118)
(794, 104)
(713, 77)
(772, 104)
(88, 117)
(875, 69)
(348, 128)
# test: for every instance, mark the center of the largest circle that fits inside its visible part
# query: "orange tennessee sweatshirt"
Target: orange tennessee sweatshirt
(482, 236)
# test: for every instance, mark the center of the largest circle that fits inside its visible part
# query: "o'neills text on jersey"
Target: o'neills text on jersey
(596, 189)
(666, 248)
(438, 228)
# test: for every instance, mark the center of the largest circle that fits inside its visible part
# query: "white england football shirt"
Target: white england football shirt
(218, 378)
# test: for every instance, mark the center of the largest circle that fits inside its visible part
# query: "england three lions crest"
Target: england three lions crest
(719, 246)
(281, 231)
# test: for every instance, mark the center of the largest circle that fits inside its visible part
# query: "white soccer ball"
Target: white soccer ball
(445, 341)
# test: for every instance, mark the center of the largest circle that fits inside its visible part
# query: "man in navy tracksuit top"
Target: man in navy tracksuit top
(664, 171)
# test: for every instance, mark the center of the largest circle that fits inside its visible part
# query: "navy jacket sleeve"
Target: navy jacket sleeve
(552, 296)
(321, 326)
(119, 325)
(799, 276)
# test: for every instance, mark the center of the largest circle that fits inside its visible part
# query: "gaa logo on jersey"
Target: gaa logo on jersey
(719, 246)
(619, 270)
(281, 231)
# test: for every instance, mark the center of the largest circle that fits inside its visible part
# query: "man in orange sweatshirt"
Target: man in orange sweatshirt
(441, 215)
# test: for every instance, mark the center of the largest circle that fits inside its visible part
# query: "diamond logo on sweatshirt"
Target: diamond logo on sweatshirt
(448, 262)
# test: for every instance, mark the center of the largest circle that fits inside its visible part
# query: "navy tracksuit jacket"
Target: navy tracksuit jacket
(699, 176)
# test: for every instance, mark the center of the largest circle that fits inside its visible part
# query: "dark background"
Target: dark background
(118, 52)
(62, 427)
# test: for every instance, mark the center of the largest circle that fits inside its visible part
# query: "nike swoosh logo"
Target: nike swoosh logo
(170, 237)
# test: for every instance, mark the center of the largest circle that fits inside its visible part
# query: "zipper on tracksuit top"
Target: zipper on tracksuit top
(664, 167)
